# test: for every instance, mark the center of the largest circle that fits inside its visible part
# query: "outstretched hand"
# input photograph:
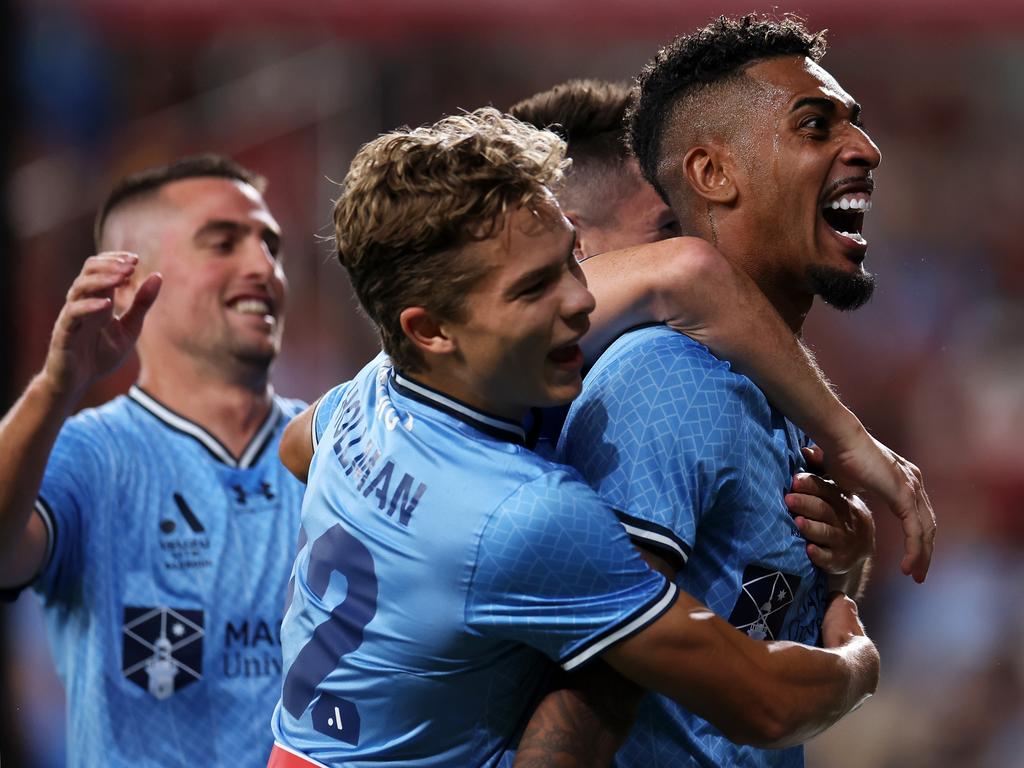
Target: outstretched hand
(864, 465)
(88, 340)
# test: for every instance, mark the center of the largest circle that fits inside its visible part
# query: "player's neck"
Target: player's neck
(453, 382)
(789, 296)
(231, 408)
(746, 252)
(790, 300)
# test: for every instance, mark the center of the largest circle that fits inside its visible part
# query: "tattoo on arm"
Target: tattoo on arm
(581, 723)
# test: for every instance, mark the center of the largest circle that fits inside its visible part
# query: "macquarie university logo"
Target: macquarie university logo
(163, 648)
(762, 606)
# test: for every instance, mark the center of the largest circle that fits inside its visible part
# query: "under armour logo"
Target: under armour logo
(241, 495)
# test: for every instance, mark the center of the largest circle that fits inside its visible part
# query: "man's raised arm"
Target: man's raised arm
(88, 342)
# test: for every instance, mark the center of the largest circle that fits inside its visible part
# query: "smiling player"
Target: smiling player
(159, 529)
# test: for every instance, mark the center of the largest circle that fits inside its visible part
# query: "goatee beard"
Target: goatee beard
(840, 289)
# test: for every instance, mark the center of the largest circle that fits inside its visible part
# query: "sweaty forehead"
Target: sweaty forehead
(795, 77)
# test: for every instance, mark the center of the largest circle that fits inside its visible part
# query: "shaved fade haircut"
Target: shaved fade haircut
(413, 198)
(147, 182)
(591, 116)
(682, 94)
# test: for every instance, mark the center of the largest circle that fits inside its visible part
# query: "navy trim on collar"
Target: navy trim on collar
(495, 426)
(217, 449)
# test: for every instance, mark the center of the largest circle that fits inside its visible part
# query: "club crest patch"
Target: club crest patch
(762, 606)
(163, 648)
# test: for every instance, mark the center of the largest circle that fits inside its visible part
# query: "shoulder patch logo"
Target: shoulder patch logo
(762, 606)
(163, 648)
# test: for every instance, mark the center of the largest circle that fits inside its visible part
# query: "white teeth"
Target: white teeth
(252, 307)
(855, 236)
(849, 202)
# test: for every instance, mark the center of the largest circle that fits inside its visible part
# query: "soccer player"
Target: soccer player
(442, 561)
(761, 152)
(160, 528)
(613, 207)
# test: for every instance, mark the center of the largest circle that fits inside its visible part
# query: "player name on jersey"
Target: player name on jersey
(396, 491)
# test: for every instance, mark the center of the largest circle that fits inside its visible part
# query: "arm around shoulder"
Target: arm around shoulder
(650, 283)
(770, 695)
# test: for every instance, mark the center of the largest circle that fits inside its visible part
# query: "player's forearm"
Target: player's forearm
(687, 284)
(806, 690)
(581, 723)
(565, 732)
(766, 694)
(783, 693)
(721, 307)
(27, 433)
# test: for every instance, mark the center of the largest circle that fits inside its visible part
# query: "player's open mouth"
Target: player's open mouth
(569, 356)
(844, 214)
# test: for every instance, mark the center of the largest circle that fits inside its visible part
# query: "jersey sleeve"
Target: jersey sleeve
(555, 570)
(323, 409)
(75, 478)
(653, 434)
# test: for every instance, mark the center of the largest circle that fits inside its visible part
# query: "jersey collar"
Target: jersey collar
(495, 426)
(214, 447)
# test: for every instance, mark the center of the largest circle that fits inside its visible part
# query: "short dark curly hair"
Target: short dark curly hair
(718, 52)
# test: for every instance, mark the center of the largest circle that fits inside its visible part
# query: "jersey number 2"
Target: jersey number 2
(335, 551)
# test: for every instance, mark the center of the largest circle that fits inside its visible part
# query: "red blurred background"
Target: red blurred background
(934, 365)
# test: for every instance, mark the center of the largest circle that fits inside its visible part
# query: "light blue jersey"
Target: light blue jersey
(444, 566)
(696, 463)
(164, 585)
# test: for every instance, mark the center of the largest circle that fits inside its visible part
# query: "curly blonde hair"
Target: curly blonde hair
(412, 198)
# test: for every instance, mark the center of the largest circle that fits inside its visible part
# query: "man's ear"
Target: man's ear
(579, 249)
(427, 332)
(710, 172)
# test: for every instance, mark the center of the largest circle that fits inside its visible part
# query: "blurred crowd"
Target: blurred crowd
(934, 365)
